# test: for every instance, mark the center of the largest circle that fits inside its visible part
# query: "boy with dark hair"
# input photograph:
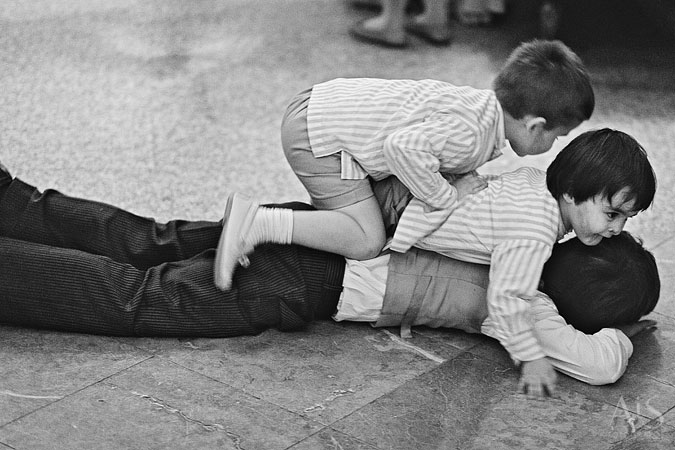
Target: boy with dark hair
(81, 266)
(423, 288)
(343, 134)
(544, 81)
(595, 184)
(618, 277)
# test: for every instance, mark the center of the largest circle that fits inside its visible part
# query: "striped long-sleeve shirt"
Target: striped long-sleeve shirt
(511, 225)
(600, 358)
(421, 131)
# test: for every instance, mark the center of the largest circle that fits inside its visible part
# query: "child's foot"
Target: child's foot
(377, 32)
(434, 33)
(233, 246)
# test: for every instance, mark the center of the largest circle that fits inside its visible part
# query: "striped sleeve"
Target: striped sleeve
(417, 222)
(417, 155)
(515, 271)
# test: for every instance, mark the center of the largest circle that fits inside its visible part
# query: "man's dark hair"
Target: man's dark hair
(613, 283)
(603, 162)
(545, 79)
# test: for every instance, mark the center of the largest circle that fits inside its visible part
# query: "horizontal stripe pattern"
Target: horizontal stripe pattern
(511, 225)
(413, 129)
(81, 266)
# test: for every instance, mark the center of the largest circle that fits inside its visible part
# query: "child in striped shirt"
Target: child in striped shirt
(597, 182)
(343, 135)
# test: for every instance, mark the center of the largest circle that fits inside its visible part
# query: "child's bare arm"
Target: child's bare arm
(537, 377)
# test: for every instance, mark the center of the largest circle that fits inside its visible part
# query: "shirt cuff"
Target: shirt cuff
(524, 347)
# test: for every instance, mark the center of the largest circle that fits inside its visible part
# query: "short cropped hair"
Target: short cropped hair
(545, 79)
(613, 283)
(603, 162)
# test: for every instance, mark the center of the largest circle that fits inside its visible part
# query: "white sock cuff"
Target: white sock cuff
(284, 224)
(272, 225)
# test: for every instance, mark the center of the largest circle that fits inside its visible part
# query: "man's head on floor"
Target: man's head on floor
(613, 283)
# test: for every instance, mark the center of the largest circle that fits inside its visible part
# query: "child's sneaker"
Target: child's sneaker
(233, 247)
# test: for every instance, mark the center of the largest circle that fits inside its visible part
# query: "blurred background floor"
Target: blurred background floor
(163, 106)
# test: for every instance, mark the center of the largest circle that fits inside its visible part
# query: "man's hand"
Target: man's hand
(537, 378)
(469, 184)
(632, 329)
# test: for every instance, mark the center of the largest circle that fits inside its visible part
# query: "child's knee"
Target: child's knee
(370, 246)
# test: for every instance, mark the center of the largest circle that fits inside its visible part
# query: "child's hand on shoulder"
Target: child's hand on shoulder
(469, 183)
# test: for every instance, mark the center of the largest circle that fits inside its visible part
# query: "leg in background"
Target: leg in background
(433, 23)
(387, 28)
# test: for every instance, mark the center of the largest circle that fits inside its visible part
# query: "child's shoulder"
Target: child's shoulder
(524, 176)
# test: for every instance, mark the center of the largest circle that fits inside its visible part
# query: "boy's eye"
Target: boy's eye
(612, 215)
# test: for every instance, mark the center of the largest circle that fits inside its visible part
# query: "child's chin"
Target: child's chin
(591, 240)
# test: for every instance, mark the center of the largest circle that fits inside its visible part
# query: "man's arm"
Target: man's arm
(596, 359)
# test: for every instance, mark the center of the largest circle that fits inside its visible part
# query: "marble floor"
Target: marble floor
(163, 106)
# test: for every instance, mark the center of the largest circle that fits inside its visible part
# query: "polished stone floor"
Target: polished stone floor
(163, 106)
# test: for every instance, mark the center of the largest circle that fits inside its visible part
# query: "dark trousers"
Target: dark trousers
(81, 266)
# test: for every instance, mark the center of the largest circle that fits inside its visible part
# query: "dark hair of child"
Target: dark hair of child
(603, 162)
(545, 79)
(613, 283)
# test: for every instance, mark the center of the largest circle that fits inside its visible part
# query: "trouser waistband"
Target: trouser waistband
(323, 273)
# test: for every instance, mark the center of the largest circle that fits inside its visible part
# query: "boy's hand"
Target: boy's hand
(469, 184)
(632, 329)
(537, 378)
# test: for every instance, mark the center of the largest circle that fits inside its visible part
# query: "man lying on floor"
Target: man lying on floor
(81, 266)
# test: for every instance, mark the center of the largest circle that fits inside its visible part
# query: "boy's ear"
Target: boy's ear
(567, 198)
(534, 123)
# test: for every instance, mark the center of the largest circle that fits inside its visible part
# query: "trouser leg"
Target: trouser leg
(70, 290)
(54, 219)
(393, 196)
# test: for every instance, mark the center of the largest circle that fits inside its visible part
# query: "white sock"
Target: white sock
(271, 225)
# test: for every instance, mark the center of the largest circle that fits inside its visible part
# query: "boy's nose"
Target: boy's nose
(617, 227)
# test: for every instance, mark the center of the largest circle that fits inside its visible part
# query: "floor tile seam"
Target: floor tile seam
(209, 377)
(650, 423)
(496, 360)
(460, 350)
(335, 444)
(299, 413)
(322, 426)
(73, 393)
(170, 408)
(440, 341)
(383, 393)
(400, 386)
(243, 392)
